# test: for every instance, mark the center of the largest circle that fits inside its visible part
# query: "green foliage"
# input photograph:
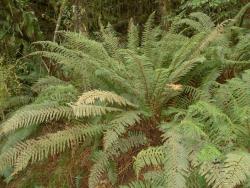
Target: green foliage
(162, 100)
(227, 8)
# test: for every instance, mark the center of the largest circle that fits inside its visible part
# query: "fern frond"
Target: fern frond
(187, 50)
(211, 116)
(119, 126)
(133, 36)
(156, 177)
(46, 82)
(234, 171)
(54, 47)
(91, 97)
(15, 101)
(184, 68)
(191, 23)
(144, 67)
(38, 149)
(192, 129)
(123, 145)
(113, 172)
(111, 41)
(154, 156)
(81, 42)
(102, 161)
(176, 161)
(83, 110)
(208, 152)
(96, 172)
(62, 94)
(204, 19)
(148, 37)
(35, 114)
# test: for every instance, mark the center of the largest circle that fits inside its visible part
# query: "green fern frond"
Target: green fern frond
(62, 58)
(234, 171)
(103, 158)
(148, 37)
(96, 172)
(154, 156)
(38, 149)
(91, 97)
(200, 22)
(83, 110)
(204, 19)
(123, 145)
(15, 101)
(176, 166)
(184, 68)
(191, 23)
(186, 51)
(173, 43)
(133, 36)
(192, 129)
(62, 94)
(211, 116)
(113, 172)
(54, 47)
(35, 114)
(119, 126)
(156, 177)
(82, 43)
(46, 82)
(51, 144)
(203, 153)
(111, 41)
(144, 67)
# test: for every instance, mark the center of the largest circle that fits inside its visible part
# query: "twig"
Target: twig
(59, 19)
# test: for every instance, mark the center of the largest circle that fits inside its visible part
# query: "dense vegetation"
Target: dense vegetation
(124, 94)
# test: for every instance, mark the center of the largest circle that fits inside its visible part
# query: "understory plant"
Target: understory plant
(175, 106)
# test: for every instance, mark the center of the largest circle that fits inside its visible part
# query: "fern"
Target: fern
(15, 101)
(46, 82)
(231, 173)
(35, 114)
(150, 156)
(92, 110)
(176, 165)
(119, 126)
(102, 162)
(50, 144)
(133, 36)
(189, 88)
(91, 96)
